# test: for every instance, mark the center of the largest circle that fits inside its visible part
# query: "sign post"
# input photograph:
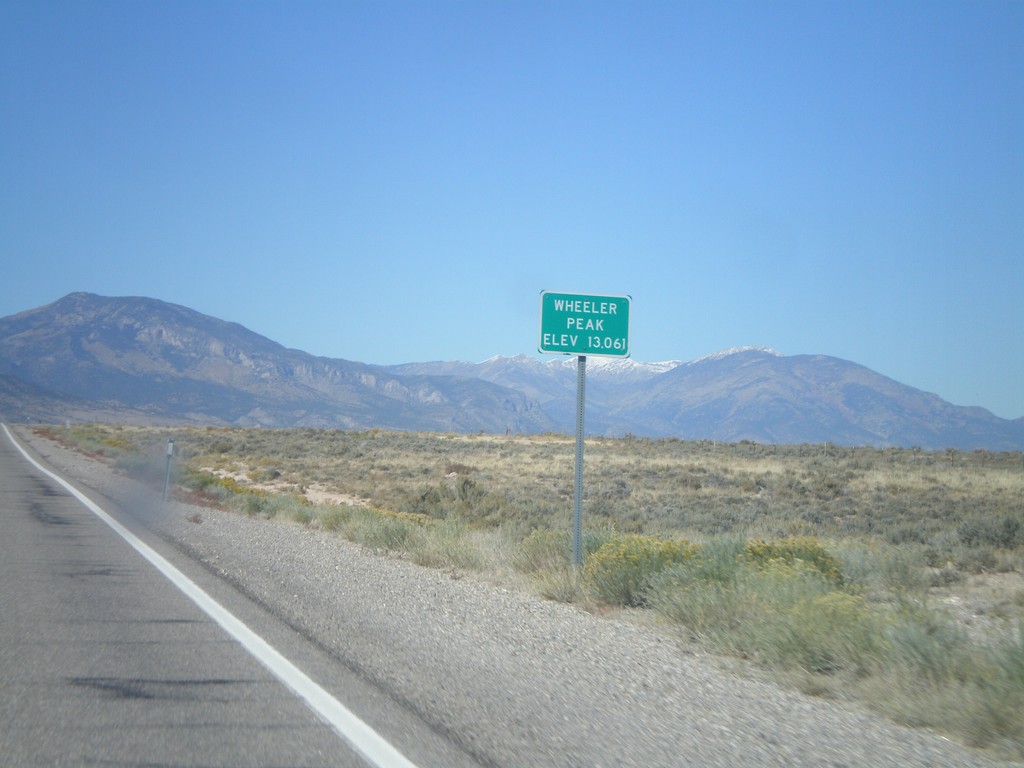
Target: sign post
(578, 324)
(167, 473)
(577, 494)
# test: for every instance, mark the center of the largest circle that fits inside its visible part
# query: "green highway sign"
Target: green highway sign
(578, 324)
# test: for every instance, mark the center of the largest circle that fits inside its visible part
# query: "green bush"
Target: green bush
(621, 570)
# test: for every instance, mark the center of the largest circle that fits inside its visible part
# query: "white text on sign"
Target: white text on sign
(586, 307)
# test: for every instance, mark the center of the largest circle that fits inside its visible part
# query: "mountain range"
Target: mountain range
(140, 360)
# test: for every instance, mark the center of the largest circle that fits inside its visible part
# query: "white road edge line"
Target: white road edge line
(358, 734)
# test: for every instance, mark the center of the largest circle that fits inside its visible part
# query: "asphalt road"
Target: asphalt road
(103, 661)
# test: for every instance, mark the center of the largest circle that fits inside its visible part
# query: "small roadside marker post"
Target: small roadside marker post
(167, 473)
(582, 324)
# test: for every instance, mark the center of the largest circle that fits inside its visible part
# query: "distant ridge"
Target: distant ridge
(154, 361)
(747, 393)
(767, 397)
(140, 360)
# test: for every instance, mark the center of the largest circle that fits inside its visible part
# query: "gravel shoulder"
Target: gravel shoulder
(515, 680)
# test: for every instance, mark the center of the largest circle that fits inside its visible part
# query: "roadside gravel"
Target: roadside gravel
(514, 680)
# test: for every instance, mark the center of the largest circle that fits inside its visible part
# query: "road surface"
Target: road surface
(104, 661)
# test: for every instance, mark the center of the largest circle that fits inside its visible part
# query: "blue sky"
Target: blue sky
(397, 181)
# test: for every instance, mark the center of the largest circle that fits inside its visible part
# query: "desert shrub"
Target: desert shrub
(936, 677)
(448, 544)
(928, 647)
(231, 485)
(380, 531)
(545, 550)
(207, 489)
(198, 481)
(826, 487)
(264, 474)
(708, 610)
(334, 517)
(562, 585)
(731, 604)
(292, 506)
(976, 559)
(252, 504)
(621, 570)
(788, 613)
(906, 533)
(546, 557)
(719, 560)
(883, 571)
(1004, 692)
(99, 440)
(903, 571)
(806, 549)
(374, 528)
(830, 632)
(302, 514)
(1003, 531)
(542, 551)
(433, 501)
(119, 444)
(463, 499)
(944, 577)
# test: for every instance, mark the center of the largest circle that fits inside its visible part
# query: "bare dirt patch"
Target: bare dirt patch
(316, 493)
(986, 604)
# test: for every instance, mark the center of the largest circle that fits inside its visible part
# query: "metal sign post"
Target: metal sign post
(577, 499)
(578, 324)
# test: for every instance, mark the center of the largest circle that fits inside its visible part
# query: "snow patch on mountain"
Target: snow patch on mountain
(614, 368)
(735, 351)
(618, 367)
